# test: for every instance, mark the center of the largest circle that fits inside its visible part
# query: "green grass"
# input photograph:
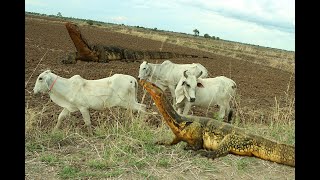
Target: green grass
(49, 159)
(163, 162)
(98, 164)
(34, 146)
(68, 172)
(244, 163)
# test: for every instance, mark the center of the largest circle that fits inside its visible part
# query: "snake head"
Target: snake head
(73, 26)
(153, 89)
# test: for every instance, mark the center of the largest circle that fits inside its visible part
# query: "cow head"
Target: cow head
(186, 87)
(144, 71)
(43, 82)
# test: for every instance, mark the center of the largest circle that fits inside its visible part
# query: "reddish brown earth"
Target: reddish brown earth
(257, 85)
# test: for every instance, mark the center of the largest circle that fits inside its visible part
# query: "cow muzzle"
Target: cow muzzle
(36, 93)
(141, 77)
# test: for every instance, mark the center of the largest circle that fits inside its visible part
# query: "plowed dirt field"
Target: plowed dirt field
(47, 42)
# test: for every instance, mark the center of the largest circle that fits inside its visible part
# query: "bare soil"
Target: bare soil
(47, 42)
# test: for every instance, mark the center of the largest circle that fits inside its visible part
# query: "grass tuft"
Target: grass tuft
(68, 172)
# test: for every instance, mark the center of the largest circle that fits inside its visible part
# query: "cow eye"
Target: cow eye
(144, 68)
(40, 78)
(188, 85)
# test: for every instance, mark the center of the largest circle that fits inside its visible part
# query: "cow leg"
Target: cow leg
(229, 113)
(173, 95)
(178, 108)
(65, 112)
(140, 107)
(187, 108)
(222, 112)
(86, 118)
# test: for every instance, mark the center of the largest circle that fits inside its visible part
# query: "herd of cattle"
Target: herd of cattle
(188, 83)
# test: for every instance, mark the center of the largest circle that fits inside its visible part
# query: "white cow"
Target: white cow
(206, 92)
(79, 94)
(168, 74)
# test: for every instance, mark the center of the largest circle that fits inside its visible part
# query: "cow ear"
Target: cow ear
(179, 93)
(179, 98)
(200, 85)
(47, 80)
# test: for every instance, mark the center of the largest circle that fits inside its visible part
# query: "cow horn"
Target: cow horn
(199, 74)
(185, 74)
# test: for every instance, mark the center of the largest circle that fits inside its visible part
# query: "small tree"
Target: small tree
(217, 38)
(59, 14)
(206, 35)
(196, 32)
(213, 37)
(90, 22)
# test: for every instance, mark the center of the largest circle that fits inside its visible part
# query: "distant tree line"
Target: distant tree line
(99, 23)
(208, 36)
(196, 33)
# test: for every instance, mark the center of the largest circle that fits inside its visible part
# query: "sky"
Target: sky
(269, 23)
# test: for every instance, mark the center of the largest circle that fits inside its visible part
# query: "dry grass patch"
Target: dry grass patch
(123, 147)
